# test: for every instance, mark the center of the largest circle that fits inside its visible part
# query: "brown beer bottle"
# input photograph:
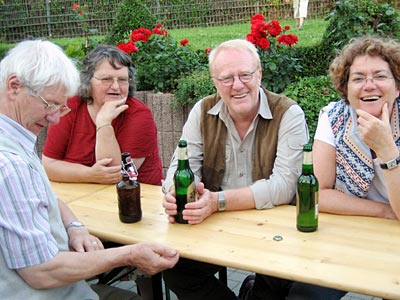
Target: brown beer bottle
(128, 190)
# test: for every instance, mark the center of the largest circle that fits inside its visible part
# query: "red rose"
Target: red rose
(129, 47)
(264, 43)
(184, 42)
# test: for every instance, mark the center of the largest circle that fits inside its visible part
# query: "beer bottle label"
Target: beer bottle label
(191, 193)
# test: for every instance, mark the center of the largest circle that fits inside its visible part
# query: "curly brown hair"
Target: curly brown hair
(387, 49)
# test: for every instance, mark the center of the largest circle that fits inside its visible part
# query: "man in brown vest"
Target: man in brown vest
(245, 149)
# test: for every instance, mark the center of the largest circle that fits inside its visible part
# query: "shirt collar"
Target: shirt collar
(17, 132)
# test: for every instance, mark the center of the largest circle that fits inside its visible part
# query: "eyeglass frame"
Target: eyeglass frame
(115, 79)
(53, 108)
(232, 77)
(361, 80)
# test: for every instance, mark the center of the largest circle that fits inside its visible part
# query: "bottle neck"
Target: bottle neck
(183, 161)
(307, 167)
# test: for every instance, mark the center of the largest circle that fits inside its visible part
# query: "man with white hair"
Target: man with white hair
(44, 252)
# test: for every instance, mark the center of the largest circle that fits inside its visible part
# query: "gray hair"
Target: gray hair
(240, 44)
(39, 64)
(115, 57)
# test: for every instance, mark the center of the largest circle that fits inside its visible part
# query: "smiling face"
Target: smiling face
(108, 92)
(240, 98)
(371, 84)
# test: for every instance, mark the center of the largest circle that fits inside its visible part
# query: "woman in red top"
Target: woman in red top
(105, 120)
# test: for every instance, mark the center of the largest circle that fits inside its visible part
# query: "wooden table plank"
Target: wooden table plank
(357, 254)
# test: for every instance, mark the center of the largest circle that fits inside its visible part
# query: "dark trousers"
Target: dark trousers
(193, 280)
(273, 288)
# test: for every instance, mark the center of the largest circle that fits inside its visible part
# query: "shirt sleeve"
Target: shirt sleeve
(280, 188)
(324, 131)
(25, 235)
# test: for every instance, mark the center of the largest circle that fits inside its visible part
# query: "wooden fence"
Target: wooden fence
(21, 19)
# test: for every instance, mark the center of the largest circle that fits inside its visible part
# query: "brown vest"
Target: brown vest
(213, 131)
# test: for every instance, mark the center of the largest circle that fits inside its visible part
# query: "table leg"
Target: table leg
(156, 281)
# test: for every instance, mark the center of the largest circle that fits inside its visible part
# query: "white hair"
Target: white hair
(39, 64)
(238, 44)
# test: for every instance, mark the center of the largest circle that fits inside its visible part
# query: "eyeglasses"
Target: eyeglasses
(52, 108)
(361, 80)
(243, 77)
(109, 81)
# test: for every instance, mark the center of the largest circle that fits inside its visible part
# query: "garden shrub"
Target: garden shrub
(130, 14)
(312, 93)
(193, 87)
(313, 60)
(352, 18)
(161, 61)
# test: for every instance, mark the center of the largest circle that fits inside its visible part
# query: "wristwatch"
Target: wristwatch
(221, 201)
(391, 164)
(74, 224)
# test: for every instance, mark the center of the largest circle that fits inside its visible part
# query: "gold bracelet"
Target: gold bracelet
(98, 128)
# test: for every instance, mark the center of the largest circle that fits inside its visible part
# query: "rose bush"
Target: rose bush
(81, 15)
(278, 60)
(159, 60)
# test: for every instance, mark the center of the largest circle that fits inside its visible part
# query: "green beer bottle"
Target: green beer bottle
(307, 194)
(185, 189)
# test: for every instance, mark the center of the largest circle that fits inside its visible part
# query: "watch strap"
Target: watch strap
(221, 201)
(73, 224)
(391, 164)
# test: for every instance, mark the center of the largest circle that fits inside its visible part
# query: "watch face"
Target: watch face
(391, 164)
(221, 204)
(221, 201)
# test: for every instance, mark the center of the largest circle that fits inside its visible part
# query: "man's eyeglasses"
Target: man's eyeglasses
(108, 81)
(243, 77)
(52, 108)
(361, 80)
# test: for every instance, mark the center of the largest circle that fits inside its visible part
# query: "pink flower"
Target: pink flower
(75, 6)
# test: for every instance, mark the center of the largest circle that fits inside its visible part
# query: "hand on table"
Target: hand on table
(194, 212)
(102, 173)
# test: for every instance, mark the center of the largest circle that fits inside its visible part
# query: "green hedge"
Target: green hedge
(312, 93)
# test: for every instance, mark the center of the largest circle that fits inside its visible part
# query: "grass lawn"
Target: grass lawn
(208, 37)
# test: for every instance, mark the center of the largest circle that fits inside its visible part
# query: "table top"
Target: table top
(355, 254)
